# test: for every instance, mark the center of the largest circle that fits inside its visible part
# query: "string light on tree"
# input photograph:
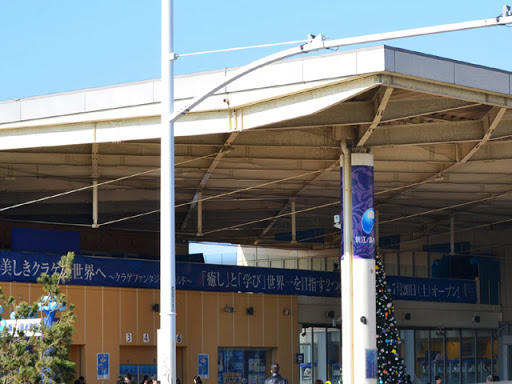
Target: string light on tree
(390, 366)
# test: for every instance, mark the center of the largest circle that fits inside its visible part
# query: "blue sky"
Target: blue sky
(53, 46)
(215, 253)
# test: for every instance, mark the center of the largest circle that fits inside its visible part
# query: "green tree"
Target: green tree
(390, 365)
(39, 354)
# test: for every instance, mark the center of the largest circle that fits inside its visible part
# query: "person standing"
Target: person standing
(128, 378)
(437, 380)
(276, 377)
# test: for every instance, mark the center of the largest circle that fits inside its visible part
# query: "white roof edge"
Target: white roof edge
(298, 70)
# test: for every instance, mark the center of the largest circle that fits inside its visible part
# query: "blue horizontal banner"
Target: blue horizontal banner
(440, 290)
(129, 273)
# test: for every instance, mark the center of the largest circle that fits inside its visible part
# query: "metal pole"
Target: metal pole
(452, 235)
(199, 213)
(347, 291)
(167, 331)
(95, 204)
(318, 42)
(294, 222)
(166, 343)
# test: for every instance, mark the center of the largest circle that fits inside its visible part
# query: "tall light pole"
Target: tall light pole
(167, 332)
(166, 339)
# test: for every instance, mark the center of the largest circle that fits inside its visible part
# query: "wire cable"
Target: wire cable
(221, 195)
(240, 48)
(98, 184)
(253, 187)
(75, 190)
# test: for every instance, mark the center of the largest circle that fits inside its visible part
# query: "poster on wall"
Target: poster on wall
(103, 366)
(202, 366)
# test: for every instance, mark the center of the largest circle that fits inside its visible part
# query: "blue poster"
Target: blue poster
(363, 213)
(202, 366)
(103, 366)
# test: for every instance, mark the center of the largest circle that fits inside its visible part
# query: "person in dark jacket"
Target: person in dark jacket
(276, 377)
(128, 378)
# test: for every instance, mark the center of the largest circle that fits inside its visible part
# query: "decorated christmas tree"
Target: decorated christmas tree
(390, 366)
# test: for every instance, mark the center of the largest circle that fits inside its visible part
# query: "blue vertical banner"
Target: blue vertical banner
(363, 212)
(203, 366)
(103, 366)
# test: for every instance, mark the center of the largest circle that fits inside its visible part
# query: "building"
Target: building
(257, 164)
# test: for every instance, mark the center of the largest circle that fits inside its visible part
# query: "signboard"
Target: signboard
(102, 366)
(299, 358)
(25, 325)
(110, 272)
(145, 337)
(202, 366)
(26, 267)
(441, 290)
(129, 337)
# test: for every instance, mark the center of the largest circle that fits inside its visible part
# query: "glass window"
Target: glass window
(391, 263)
(494, 352)
(304, 264)
(138, 372)
(468, 356)
(321, 349)
(406, 267)
(248, 365)
(452, 356)
(319, 354)
(306, 347)
(318, 264)
(422, 356)
(483, 353)
(333, 264)
(333, 355)
(421, 264)
(437, 353)
(407, 350)
(458, 356)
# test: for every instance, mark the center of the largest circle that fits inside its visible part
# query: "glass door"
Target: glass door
(321, 347)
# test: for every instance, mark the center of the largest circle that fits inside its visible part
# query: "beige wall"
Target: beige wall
(106, 315)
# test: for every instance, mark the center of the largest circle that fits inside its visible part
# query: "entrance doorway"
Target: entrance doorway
(321, 347)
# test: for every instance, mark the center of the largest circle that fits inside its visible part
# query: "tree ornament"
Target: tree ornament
(391, 366)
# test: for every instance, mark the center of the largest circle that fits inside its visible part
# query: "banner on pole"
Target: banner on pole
(363, 213)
